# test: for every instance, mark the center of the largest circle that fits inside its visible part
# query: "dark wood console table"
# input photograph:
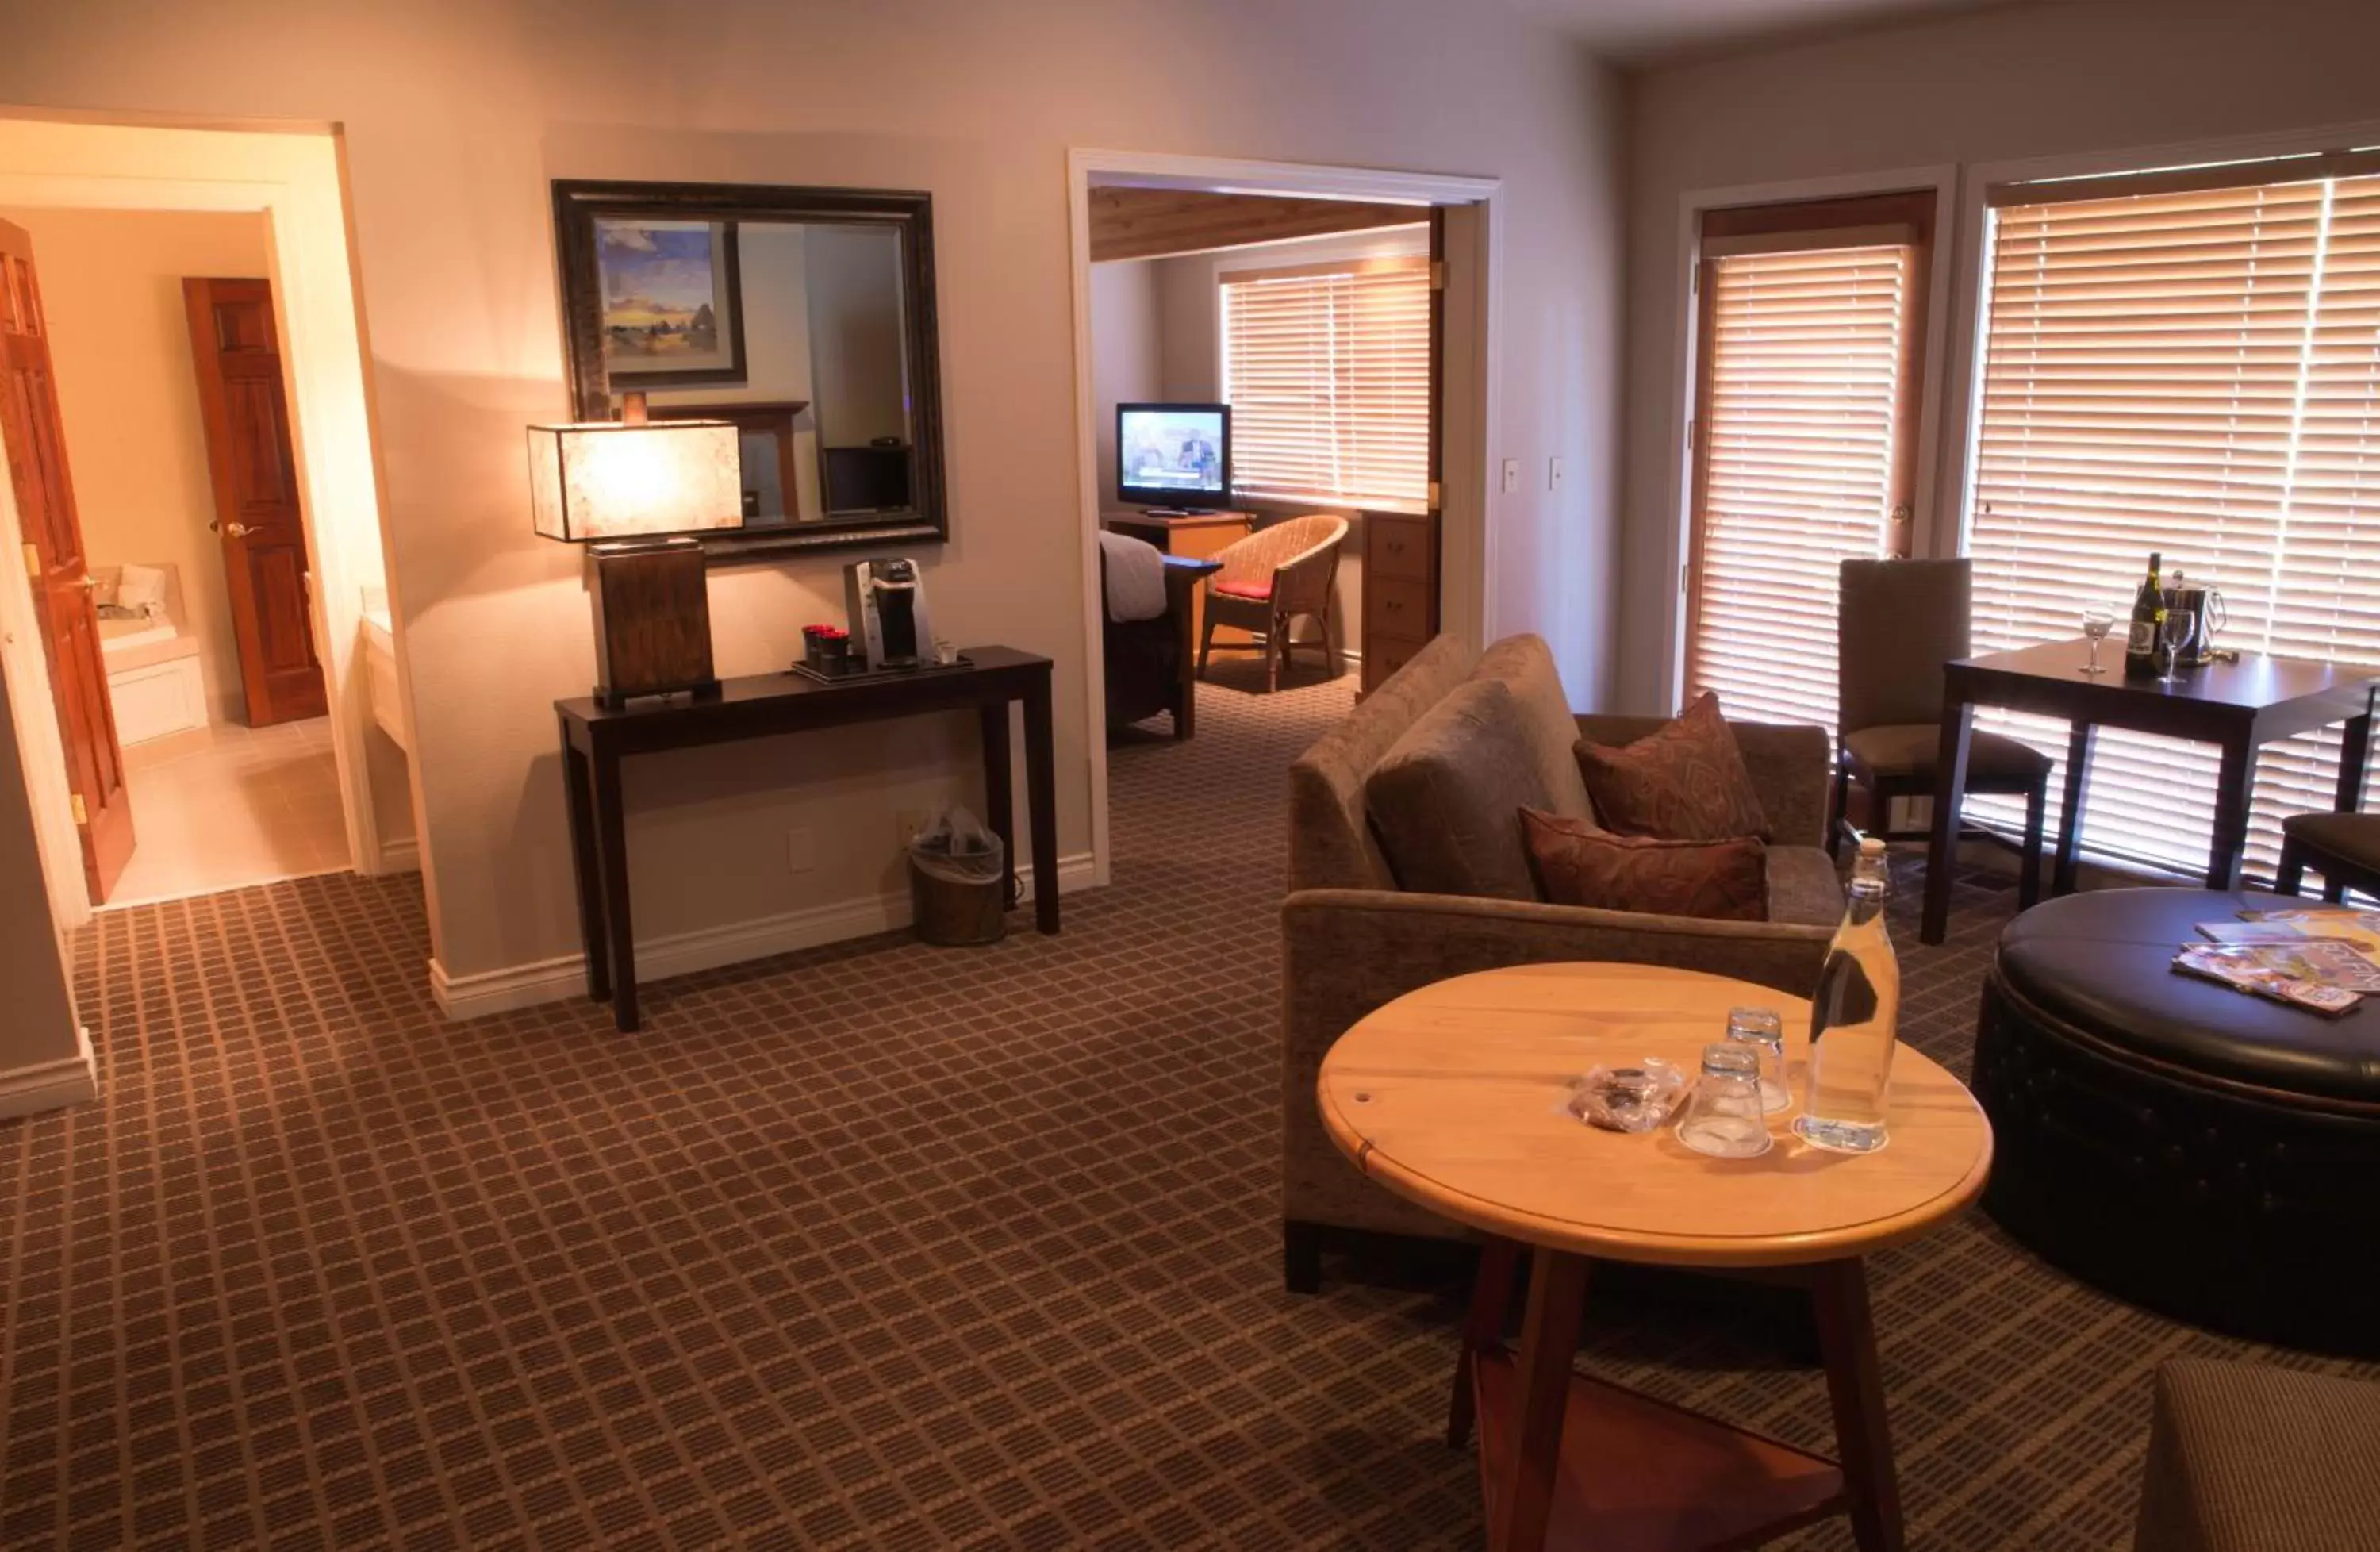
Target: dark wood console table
(594, 742)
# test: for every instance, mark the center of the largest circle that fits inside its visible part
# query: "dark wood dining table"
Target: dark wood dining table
(2238, 707)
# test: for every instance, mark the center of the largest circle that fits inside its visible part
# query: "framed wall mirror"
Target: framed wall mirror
(804, 317)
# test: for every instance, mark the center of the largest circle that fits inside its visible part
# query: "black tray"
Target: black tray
(845, 671)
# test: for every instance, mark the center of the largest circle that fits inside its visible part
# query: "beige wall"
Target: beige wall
(38, 1029)
(1126, 347)
(2086, 77)
(455, 118)
(120, 345)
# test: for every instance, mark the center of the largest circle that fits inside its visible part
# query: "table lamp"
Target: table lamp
(630, 490)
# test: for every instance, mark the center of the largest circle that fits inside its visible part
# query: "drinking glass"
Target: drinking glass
(1723, 1116)
(1764, 1031)
(2096, 624)
(2180, 624)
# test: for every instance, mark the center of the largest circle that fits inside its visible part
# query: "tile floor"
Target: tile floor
(227, 805)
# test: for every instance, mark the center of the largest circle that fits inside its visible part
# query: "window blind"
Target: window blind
(2195, 373)
(1796, 436)
(1326, 368)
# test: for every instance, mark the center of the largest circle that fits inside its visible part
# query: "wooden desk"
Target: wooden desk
(2238, 706)
(1453, 1098)
(595, 741)
(1198, 538)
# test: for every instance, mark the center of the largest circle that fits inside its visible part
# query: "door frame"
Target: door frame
(1686, 368)
(293, 175)
(1476, 247)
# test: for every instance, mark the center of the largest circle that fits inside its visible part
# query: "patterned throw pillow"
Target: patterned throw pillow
(1580, 865)
(1682, 782)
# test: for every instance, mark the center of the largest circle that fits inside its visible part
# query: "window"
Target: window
(1798, 455)
(2192, 369)
(1326, 368)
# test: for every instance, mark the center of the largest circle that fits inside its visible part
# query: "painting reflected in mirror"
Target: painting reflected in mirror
(803, 317)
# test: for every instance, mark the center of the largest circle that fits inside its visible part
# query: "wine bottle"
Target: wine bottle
(2148, 615)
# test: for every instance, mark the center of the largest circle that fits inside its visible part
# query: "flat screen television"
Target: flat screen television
(1173, 455)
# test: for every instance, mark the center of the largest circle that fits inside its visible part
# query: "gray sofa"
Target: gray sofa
(1353, 941)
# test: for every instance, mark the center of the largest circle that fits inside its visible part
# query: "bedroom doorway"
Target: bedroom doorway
(1332, 326)
(203, 672)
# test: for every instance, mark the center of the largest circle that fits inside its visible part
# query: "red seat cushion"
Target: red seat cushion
(1258, 590)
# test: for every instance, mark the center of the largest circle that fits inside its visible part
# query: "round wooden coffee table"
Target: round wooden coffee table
(1454, 1097)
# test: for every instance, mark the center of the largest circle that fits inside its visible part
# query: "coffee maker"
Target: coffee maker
(887, 602)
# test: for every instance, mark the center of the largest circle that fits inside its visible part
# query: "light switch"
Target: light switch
(1553, 474)
(1512, 475)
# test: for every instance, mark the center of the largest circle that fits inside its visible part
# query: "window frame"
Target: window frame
(1887, 217)
(1226, 274)
(2296, 158)
(1661, 684)
(1965, 261)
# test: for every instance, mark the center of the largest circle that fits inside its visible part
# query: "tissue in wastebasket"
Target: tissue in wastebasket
(957, 847)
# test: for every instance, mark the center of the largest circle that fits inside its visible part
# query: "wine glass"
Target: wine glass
(2180, 626)
(2096, 624)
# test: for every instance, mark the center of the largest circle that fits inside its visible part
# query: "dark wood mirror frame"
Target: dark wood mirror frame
(576, 206)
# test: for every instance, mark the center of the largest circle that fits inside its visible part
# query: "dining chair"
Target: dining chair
(2343, 848)
(1270, 581)
(1896, 623)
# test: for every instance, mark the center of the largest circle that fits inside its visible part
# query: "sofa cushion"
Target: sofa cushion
(1331, 845)
(1580, 863)
(1446, 799)
(2245, 1458)
(1803, 887)
(1525, 664)
(1684, 780)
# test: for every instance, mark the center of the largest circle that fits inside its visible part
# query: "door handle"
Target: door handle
(87, 582)
(237, 530)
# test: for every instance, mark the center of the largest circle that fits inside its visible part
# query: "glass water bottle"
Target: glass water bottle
(1854, 1021)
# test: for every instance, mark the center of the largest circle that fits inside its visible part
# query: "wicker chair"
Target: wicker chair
(1272, 578)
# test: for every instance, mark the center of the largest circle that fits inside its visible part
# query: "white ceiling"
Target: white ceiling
(1634, 31)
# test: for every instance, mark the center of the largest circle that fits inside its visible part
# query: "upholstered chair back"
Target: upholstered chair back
(1897, 623)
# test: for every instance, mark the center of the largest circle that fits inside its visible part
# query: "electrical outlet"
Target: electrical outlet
(908, 822)
(1553, 474)
(801, 851)
(1512, 475)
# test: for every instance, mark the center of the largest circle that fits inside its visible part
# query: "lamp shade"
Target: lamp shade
(606, 480)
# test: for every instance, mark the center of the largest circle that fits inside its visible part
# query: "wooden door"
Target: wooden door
(61, 573)
(258, 518)
(1809, 349)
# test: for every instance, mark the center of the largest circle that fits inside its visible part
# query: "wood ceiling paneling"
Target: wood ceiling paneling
(1156, 222)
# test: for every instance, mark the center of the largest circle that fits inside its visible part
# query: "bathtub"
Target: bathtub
(153, 682)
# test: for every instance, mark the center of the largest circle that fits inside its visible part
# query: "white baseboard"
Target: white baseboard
(553, 980)
(54, 1084)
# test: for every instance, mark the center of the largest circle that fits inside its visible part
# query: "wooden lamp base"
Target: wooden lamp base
(652, 620)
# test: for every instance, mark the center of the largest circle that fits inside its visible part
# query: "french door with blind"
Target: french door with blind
(1809, 360)
(2185, 362)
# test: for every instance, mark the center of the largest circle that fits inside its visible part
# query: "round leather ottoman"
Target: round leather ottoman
(2211, 1156)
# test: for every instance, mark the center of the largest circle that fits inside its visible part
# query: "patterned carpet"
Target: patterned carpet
(878, 1245)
